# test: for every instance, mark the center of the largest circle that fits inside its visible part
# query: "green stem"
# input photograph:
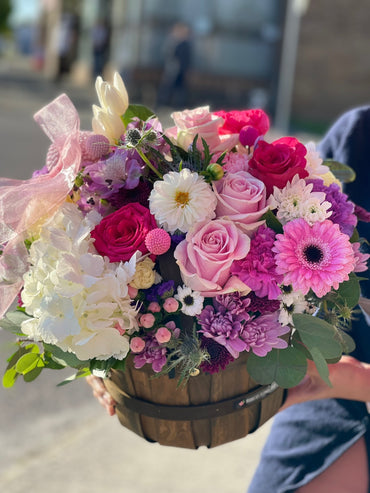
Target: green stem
(149, 164)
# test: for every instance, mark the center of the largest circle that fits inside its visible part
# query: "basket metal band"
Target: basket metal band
(194, 412)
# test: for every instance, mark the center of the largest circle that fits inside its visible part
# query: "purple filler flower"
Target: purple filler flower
(223, 328)
(262, 334)
(342, 209)
(153, 353)
(258, 269)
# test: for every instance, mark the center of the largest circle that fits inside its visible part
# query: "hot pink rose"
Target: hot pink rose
(206, 255)
(277, 163)
(241, 198)
(201, 122)
(235, 120)
(122, 233)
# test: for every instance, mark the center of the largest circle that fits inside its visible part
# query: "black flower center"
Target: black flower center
(313, 254)
(188, 300)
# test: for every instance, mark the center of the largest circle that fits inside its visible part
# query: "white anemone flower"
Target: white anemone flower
(191, 301)
(181, 200)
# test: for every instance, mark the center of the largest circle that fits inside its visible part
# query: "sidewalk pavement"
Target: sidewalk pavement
(55, 440)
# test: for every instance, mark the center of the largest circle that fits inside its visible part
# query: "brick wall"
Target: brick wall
(333, 62)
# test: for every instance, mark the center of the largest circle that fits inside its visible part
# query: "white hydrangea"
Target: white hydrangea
(78, 300)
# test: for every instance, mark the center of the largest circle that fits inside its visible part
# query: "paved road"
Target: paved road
(58, 440)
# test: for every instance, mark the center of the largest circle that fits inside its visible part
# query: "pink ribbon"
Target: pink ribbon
(24, 204)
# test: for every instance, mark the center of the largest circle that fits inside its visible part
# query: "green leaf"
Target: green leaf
(272, 222)
(12, 322)
(316, 333)
(137, 111)
(63, 358)
(342, 171)
(348, 344)
(33, 374)
(321, 365)
(9, 377)
(84, 372)
(27, 363)
(350, 291)
(287, 367)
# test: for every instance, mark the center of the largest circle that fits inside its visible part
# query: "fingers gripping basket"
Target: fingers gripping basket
(209, 410)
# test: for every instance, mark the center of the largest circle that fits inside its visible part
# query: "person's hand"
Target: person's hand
(101, 393)
(350, 379)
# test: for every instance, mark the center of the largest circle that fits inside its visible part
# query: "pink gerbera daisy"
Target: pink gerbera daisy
(316, 257)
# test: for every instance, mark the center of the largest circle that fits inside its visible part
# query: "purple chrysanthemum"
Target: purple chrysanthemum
(258, 269)
(262, 305)
(233, 303)
(223, 328)
(342, 209)
(153, 353)
(262, 334)
(219, 356)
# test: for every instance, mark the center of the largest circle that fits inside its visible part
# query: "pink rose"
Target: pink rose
(241, 198)
(276, 163)
(201, 122)
(206, 255)
(122, 233)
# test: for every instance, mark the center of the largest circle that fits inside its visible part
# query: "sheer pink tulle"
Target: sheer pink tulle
(26, 203)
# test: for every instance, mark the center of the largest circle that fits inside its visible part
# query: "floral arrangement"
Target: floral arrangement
(180, 248)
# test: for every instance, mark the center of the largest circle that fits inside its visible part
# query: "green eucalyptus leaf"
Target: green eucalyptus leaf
(137, 111)
(287, 367)
(348, 344)
(84, 372)
(12, 322)
(9, 377)
(342, 171)
(321, 365)
(272, 222)
(316, 333)
(64, 358)
(33, 374)
(27, 363)
(349, 291)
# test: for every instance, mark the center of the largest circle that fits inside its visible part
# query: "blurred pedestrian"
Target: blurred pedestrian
(101, 45)
(177, 60)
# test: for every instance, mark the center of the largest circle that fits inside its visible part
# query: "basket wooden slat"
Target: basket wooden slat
(227, 419)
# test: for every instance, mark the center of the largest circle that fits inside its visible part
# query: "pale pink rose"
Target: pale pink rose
(206, 255)
(200, 121)
(241, 198)
(154, 307)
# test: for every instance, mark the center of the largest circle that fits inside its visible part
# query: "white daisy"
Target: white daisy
(182, 200)
(291, 302)
(191, 301)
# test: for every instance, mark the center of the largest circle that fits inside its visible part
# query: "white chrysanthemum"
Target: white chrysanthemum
(191, 301)
(290, 201)
(78, 300)
(182, 200)
(290, 303)
(314, 162)
(312, 210)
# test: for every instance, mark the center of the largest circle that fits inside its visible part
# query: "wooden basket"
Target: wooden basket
(209, 410)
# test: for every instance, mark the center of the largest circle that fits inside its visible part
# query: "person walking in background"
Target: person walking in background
(101, 46)
(177, 60)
